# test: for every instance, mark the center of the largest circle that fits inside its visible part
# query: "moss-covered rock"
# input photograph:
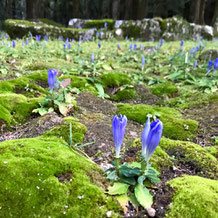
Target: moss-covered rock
(100, 24)
(63, 130)
(112, 80)
(21, 28)
(43, 177)
(123, 95)
(167, 88)
(174, 126)
(191, 155)
(194, 197)
(16, 108)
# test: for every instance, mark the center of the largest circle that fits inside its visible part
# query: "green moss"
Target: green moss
(131, 30)
(18, 106)
(111, 80)
(194, 197)
(167, 88)
(174, 126)
(43, 177)
(49, 22)
(213, 150)
(163, 25)
(100, 24)
(19, 84)
(63, 131)
(21, 28)
(191, 155)
(80, 83)
(123, 95)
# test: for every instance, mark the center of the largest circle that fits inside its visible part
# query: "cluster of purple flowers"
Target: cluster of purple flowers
(150, 138)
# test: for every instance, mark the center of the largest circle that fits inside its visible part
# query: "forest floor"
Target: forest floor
(170, 83)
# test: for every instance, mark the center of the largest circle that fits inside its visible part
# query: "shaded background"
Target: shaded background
(61, 11)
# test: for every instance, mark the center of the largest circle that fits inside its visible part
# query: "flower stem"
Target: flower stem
(117, 165)
(143, 165)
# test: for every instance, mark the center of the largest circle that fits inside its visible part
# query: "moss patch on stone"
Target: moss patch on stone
(191, 155)
(194, 197)
(111, 80)
(131, 30)
(123, 95)
(174, 126)
(21, 28)
(167, 88)
(16, 108)
(63, 131)
(43, 177)
(100, 24)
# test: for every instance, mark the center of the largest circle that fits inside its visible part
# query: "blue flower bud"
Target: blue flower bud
(51, 78)
(143, 62)
(13, 44)
(99, 45)
(119, 125)
(151, 136)
(118, 46)
(210, 64)
(92, 57)
(216, 64)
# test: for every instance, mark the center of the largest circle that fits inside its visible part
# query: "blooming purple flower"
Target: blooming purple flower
(130, 47)
(210, 64)
(192, 51)
(196, 64)
(151, 136)
(216, 64)
(161, 41)
(51, 78)
(61, 38)
(105, 25)
(99, 45)
(13, 44)
(118, 46)
(69, 46)
(134, 47)
(119, 125)
(92, 57)
(38, 37)
(64, 46)
(143, 62)
(181, 44)
(27, 41)
(46, 38)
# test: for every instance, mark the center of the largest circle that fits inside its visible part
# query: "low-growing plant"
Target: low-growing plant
(59, 98)
(130, 179)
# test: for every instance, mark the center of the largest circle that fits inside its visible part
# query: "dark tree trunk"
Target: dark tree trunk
(115, 9)
(215, 14)
(197, 11)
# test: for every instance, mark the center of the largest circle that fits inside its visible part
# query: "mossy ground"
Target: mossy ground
(44, 177)
(23, 83)
(174, 126)
(194, 197)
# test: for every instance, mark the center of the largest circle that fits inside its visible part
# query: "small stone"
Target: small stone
(108, 214)
(151, 211)
(5, 162)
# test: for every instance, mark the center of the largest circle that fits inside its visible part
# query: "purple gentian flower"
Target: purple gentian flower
(134, 47)
(192, 51)
(181, 44)
(99, 45)
(210, 64)
(119, 125)
(51, 78)
(27, 41)
(161, 42)
(118, 46)
(196, 64)
(38, 37)
(216, 64)
(151, 136)
(64, 47)
(143, 62)
(69, 46)
(130, 47)
(61, 38)
(105, 25)
(92, 57)
(13, 44)
(46, 38)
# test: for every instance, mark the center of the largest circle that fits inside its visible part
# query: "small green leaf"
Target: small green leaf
(112, 175)
(153, 178)
(100, 89)
(141, 179)
(128, 180)
(118, 188)
(106, 67)
(133, 200)
(123, 201)
(143, 196)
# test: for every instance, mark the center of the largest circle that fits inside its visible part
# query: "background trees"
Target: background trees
(198, 11)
